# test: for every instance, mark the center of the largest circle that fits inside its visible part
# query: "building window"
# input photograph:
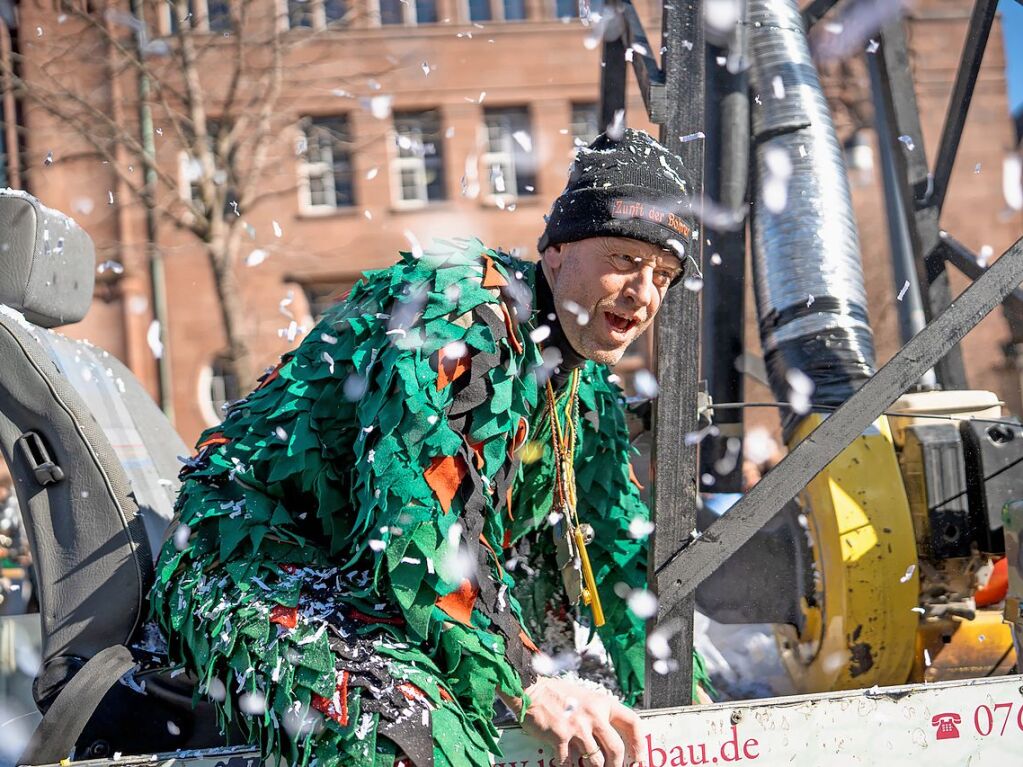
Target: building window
(218, 15)
(408, 11)
(300, 14)
(315, 14)
(418, 169)
(497, 10)
(334, 12)
(200, 15)
(479, 10)
(509, 165)
(218, 387)
(584, 124)
(326, 179)
(190, 172)
(177, 17)
(321, 295)
(514, 10)
(566, 9)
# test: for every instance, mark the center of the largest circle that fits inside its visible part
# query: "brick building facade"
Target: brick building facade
(435, 118)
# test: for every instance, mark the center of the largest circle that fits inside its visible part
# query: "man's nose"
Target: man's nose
(640, 287)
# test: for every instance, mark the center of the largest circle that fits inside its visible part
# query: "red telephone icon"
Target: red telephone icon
(946, 724)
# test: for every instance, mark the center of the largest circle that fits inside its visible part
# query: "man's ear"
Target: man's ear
(553, 257)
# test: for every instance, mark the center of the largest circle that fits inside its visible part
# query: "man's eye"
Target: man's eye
(663, 278)
(623, 262)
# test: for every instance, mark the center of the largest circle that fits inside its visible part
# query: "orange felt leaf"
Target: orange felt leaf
(458, 604)
(497, 561)
(444, 694)
(528, 642)
(492, 278)
(326, 706)
(451, 368)
(284, 616)
(520, 434)
(507, 539)
(509, 325)
(216, 438)
(444, 477)
(508, 501)
(477, 448)
(633, 478)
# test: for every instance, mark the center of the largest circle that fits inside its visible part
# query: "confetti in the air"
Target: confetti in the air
(1012, 181)
(776, 179)
(252, 703)
(778, 86)
(908, 141)
(616, 128)
(801, 387)
(642, 603)
(153, 339)
(984, 256)
(902, 291)
(417, 249)
(721, 16)
(181, 536)
(646, 384)
(640, 528)
(524, 140)
(759, 446)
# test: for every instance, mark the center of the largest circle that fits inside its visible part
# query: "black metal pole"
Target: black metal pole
(910, 306)
(677, 353)
(977, 33)
(612, 72)
(906, 140)
(724, 293)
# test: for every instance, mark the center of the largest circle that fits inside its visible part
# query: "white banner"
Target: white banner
(950, 724)
(939, 725)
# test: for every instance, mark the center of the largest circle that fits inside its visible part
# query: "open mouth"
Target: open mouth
(620, 324)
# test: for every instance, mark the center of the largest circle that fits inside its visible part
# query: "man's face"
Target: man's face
(607, 291)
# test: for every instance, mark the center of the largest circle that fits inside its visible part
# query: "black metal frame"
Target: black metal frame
(675, 98)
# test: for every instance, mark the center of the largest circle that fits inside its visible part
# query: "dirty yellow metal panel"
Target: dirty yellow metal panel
(950, 648)
(862, 629)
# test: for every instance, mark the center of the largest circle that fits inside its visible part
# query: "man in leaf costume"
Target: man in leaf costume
(370, 542)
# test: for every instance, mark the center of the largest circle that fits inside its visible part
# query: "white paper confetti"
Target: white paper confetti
(153, 339)
(1012, 181)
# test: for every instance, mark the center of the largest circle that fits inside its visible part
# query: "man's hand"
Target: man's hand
(579, 721)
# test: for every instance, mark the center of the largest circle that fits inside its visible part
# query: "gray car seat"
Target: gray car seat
(95, 466)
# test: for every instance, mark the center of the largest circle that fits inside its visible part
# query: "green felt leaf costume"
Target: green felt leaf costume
(343, 579)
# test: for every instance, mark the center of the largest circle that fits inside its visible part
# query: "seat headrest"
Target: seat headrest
(47, 262)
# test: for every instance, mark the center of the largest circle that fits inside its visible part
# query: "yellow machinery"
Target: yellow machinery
(889, 603)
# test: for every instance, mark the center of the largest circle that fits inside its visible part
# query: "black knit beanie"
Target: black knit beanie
(630, 187)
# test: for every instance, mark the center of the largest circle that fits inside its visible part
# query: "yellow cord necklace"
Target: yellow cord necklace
(574, 536)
